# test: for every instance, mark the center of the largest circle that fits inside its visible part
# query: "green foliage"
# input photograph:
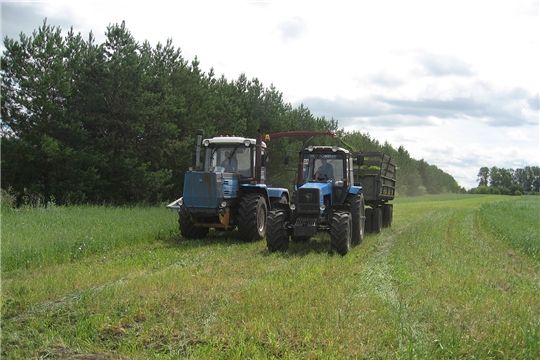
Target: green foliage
(509, 181)
(482, 189)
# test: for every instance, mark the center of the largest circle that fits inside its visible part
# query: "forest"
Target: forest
(114, 123)
(502, 181)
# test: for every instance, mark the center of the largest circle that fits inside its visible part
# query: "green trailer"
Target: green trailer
(377, 176)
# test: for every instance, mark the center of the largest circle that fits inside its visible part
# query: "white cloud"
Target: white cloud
(518, 135)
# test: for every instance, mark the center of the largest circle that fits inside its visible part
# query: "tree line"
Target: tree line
(115, 122)
(502, 181)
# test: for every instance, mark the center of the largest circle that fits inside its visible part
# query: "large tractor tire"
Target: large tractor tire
(276, 235)
(188, 228)
(388, 210)
(340, 232)
(252, 217)
(369, 220)
(358, 217)
(377, 222)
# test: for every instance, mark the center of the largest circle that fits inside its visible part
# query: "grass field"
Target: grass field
(457, 276)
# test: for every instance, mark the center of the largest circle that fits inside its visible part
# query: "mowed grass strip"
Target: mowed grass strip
(438, 284)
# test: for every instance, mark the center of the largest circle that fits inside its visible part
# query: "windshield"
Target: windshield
(229, 158)
(323, 166)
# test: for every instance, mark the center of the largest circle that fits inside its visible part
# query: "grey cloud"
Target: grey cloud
(20, 17)
(25, 17)
(385, 79)
(292, 28)
(534, 103)
(444, 65)
(502, 109)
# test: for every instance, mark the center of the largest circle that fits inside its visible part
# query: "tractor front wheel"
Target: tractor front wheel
(188, 228)
(252, 217)
(276, 235)
(340, 232)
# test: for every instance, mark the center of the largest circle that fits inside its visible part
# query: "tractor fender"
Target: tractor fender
(261, 189)
(355, 190)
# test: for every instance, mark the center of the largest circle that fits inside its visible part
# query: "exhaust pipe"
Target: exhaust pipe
(199, 133)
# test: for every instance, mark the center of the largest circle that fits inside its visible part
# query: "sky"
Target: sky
(455, 82)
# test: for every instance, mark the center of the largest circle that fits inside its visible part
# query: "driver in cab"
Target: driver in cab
(325, 171)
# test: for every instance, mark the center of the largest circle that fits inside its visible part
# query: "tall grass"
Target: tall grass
(439, 284)
(517, 222)
(37, 237)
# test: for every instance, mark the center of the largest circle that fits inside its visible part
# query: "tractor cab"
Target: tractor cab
(234, 155)
(328, 164)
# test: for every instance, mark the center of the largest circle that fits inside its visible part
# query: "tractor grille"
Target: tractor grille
(308, 201)
(305, 227)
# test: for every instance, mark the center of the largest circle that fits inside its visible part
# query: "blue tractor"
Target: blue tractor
(325, 199)
(228, 189)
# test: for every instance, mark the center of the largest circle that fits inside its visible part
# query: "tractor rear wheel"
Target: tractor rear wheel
(369, 220)
(188, 228)
(276, 235)
(377, 220)
(252, 217)
(388, 209)
(340, 232)
(358, 217)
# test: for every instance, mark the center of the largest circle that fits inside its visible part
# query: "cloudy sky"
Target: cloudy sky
(455, 82)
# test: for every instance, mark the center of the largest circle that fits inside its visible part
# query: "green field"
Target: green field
(456, 277)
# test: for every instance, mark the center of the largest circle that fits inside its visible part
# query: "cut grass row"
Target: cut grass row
(441, 283)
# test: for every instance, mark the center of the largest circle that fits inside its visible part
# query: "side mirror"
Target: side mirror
(360, 160)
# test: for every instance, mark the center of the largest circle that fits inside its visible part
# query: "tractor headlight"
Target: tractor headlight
(292, 207)
(322, 207)
(247, 142)
(206, 142)
(338, 183)
(223, 204)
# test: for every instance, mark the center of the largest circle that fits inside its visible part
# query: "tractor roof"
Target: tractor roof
(325, 148)
(231, 140)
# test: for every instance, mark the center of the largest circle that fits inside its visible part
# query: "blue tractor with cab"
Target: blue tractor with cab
(325, 199)
(228, 189)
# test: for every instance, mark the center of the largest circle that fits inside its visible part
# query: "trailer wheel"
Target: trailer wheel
(377, 221)
(358, 217)
(252, 217)
(340, 232)
(188, 228)
(276, 235)
(388, 209)
(369, 220)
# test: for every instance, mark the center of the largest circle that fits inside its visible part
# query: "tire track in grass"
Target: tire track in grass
(186, 261)
(378, 277)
